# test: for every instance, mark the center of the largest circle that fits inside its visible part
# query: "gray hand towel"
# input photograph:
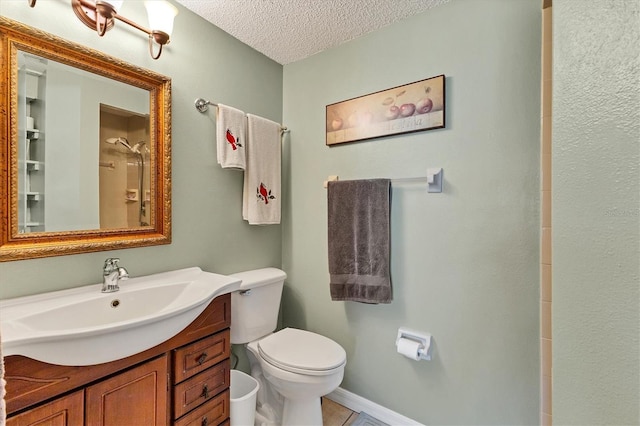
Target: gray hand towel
(359, 240)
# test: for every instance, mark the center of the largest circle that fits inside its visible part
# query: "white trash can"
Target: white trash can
(243, 398)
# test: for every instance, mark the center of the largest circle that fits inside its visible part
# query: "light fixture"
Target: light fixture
(100, 16)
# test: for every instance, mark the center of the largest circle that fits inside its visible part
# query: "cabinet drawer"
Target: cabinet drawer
(200, 388)
(198, 356)
(212, 413)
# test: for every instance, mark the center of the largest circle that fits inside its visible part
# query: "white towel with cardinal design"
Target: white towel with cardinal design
(230, 135)
(261, 199)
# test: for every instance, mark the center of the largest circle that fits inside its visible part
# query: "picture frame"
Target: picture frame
(412, 107)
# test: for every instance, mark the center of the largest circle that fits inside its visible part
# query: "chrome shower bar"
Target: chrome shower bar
(202, 105)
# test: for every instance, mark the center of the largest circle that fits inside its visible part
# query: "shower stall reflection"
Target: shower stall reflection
(124, 171)
(137, 151)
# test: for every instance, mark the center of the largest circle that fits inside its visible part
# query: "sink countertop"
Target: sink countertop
(83, 326)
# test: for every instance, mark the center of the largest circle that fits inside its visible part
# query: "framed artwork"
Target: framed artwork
(413, 107)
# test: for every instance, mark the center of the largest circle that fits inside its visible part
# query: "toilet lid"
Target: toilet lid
(301, 351)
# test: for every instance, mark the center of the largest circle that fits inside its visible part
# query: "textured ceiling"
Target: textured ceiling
(289, 30)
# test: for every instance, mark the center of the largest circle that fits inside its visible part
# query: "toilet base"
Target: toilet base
(302, 412)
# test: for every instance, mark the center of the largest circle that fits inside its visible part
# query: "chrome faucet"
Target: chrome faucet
(112, 274)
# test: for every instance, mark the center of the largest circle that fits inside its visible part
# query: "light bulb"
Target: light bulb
(160, 14)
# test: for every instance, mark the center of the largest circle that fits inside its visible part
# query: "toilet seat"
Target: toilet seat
(302, 352)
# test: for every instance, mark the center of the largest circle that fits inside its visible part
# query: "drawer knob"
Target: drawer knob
(205, 391)
(202, 358)
(205, 422)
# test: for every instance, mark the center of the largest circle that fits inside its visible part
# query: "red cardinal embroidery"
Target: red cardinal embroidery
(264, 194)
(235, 143)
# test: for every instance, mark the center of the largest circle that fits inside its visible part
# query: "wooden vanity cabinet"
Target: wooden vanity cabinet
(183, 381)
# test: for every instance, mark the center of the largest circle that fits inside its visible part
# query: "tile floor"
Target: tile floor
(334, 414)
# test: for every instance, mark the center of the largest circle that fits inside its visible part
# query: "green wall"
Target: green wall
(596, 212)
(208, 230)
(464, 262)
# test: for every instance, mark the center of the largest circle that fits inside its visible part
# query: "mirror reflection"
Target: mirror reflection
(83, 151)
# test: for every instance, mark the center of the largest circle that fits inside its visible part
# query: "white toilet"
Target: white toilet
(294, 367)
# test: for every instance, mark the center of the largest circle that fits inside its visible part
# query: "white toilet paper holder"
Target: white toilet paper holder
(424, 339)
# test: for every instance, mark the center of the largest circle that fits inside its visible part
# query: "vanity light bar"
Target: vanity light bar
(100, 16)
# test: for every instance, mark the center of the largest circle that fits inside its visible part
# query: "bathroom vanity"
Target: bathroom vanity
(182, 381)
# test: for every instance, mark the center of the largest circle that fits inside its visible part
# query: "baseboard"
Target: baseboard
(358, 404)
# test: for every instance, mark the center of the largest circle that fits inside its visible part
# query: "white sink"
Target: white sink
(83, 326)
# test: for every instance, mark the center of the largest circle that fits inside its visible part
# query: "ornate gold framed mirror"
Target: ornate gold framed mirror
(85, 149)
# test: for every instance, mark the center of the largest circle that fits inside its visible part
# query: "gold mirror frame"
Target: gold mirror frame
(16, 36)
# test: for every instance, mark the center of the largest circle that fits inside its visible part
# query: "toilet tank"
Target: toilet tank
(255, 306)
